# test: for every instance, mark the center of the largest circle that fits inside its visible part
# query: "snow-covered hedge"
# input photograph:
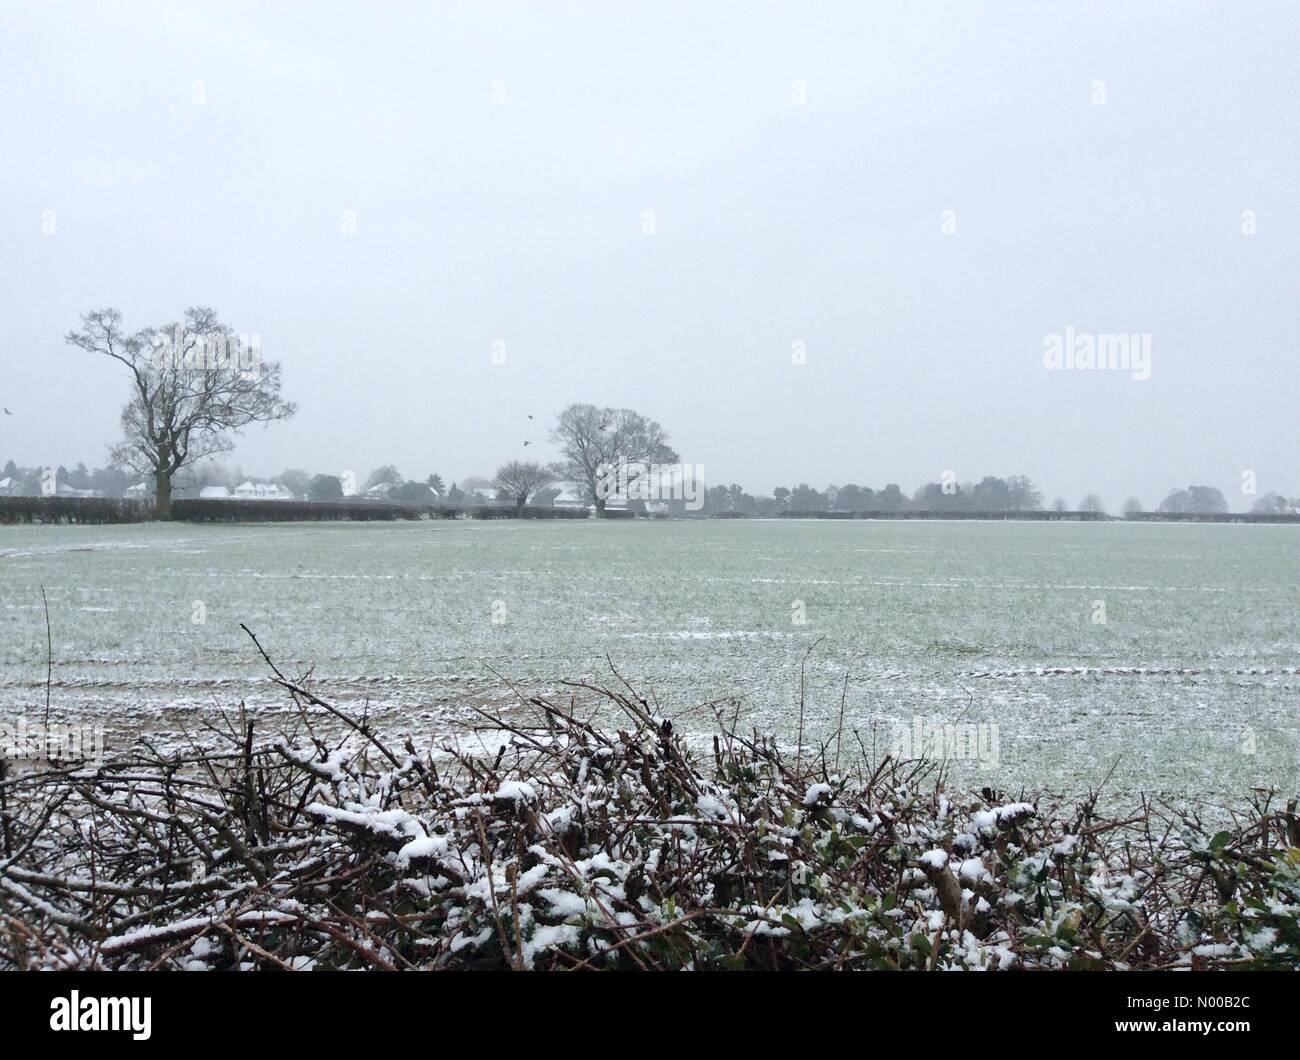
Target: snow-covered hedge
(564, 846)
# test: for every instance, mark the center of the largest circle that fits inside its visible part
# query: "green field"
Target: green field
(1196, 660)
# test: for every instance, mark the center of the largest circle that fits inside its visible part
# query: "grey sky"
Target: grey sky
(776, 222)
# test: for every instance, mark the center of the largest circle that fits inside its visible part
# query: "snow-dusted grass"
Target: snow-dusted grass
(561, 844)
(1198, 662)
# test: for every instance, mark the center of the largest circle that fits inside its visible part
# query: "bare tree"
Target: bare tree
(1132, 506)
(519, 481)
(193, 385)
(1023, 496)
(597, 441)
(1092, 503)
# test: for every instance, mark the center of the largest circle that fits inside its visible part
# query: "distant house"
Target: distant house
(575, 495)
(570, 496)
(214, 493)
(262, 491)
(137, 491)
(64, 490)
(480, 491)
(8, 487)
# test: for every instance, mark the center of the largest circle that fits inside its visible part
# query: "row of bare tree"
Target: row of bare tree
(188, 403)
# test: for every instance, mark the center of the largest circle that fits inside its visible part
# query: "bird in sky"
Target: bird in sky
(8, 413)
(526, 444)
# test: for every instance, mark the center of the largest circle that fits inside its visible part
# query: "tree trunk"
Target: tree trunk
(162, 495)
(519, 507)
(600, 507)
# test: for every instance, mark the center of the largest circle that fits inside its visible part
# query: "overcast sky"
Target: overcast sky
(500, 160)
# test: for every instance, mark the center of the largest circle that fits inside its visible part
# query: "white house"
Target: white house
(480, 491)
(214, 493)
(137, 491)
(8, 486)
(262, 491)
(570, 496)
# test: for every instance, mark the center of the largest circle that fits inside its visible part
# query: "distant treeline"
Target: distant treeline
(1048, 516)
(1035, 515)
(1015, 497)
(1214, 517)
(990, 494)
(389, 496)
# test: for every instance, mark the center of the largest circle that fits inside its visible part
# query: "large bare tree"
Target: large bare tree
(595, 440)
(193, 385)
(519, 481)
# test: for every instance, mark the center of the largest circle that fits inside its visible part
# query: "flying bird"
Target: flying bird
(527, 444)
(8, 413)
(530, 415)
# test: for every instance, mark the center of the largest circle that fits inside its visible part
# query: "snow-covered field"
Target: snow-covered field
(1196, 665)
